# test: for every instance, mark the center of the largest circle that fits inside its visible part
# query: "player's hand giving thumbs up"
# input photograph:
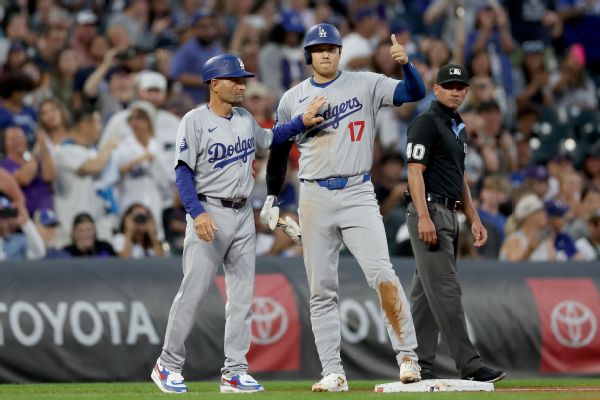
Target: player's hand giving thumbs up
(397, 51)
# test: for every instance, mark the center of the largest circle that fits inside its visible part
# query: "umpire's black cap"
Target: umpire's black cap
(452, 73)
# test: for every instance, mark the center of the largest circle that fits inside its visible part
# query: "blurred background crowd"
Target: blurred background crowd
(92, 91)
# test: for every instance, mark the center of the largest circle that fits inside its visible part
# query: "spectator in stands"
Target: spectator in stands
(48, 45)
(53, 122)
(190, 56)
(391, 183)
(48, 227)
(571, 84)
(591, 166)
(536, 180)
(533, 20)
(152, 87)
(84, 31)
(564, 245)
(84, 242)
(556, 166)
(492, 35)
(137, 236)
(589, 246)
(570, 192)
(118, 37)
(99, 46)
(121, 83)
(533, 240)
(281, 60)
(63, 76)
(359, 45)
(143, 176)
(13, 110)
(494, 141)
(533, 78)
(17, 56)
(174, 222)
(19, 239)
(581, 19)
(34, 171)
(494, 193)
(79, 167)
(135, 18)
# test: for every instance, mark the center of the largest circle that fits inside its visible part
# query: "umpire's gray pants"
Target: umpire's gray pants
(436, 294)
(234, 247)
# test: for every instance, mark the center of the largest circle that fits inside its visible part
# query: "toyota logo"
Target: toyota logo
(269, 321)
(573, 324)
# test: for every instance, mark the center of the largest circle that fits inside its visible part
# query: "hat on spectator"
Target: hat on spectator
(198, 16)
(364, 12)
(152, 80)
(46, 217)
(488, 105)
(18, 45)
(256, 89)
(292, 22)
(594, 216)
(527, 205)
(533, 46)
(452, 73)
(398, 26)
(536, 173)
(86, 17)
(145, 107)
(556, 208)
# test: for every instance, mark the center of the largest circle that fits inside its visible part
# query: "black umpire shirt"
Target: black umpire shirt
(438, 140)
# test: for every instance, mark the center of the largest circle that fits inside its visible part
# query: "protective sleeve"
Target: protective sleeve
(411, 88)
(277, 167)
(184, 181)
(282, 133)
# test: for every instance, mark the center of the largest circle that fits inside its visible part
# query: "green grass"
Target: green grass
(292, 390)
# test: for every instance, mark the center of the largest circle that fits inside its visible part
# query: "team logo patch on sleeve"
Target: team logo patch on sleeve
(183, 146)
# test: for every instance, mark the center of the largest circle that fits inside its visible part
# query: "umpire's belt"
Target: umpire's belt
(228, 203)
(340, 182)
(451, 204)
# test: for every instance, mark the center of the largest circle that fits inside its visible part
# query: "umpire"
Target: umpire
(437, 145)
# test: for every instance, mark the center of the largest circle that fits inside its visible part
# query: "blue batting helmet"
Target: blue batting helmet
(224, 66)
(320, 34)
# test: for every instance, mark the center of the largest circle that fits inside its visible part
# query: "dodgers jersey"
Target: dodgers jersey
(221, 151)
(342, 145)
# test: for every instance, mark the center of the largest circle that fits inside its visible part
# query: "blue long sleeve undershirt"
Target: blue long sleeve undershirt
(411, 88)
(184, 180)
(283, 133)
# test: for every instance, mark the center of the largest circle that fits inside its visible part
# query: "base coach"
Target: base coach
(437, 145)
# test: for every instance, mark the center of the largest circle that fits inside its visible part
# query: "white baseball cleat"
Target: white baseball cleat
(168, 381)
(333, 382)
(410, 371)
(242, 383)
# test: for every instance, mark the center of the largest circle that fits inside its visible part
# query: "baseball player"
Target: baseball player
(337, 202)
(214, 177)
(436, 150)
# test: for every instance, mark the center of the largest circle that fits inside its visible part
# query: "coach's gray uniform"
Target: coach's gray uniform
(221, 152)
(342, 146)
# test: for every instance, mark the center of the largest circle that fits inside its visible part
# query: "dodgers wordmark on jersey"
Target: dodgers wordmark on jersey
(342, 145)
(221, 151)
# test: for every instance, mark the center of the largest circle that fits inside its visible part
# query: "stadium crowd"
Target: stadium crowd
(92, 91)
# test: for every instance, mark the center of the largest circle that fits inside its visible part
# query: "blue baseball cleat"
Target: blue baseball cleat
(168, 381)
(242, 383)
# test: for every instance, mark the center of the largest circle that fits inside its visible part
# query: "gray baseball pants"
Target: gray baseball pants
(436, 294)
(351, 216)
(234, 247)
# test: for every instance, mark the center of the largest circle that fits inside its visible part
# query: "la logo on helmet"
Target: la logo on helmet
(322, 32)
(455, 71)
(241, 64)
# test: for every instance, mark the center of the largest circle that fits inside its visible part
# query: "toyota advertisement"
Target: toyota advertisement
(93, 320)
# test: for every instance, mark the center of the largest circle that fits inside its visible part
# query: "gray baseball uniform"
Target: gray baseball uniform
(221, 153)
(341, 148)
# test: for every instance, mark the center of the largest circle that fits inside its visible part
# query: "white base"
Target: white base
(435, 385)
